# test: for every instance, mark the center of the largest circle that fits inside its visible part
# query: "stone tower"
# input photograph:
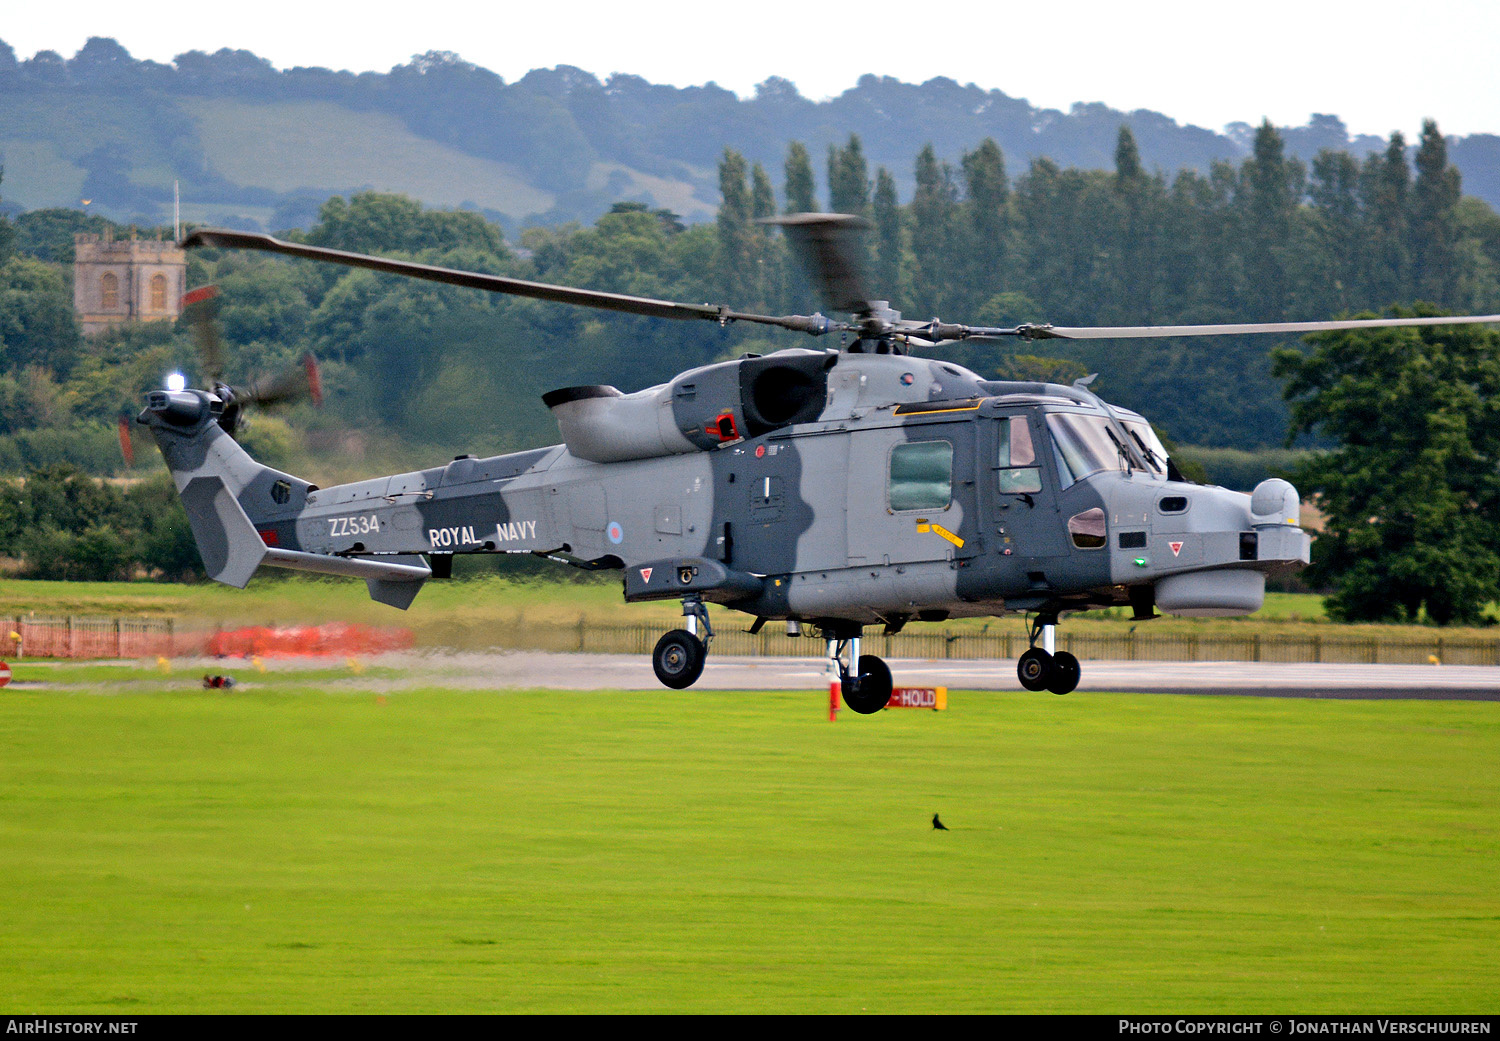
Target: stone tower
(129, 280)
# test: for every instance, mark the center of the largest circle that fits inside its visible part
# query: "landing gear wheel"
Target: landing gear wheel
(1035, 669)
(678, 659)
(871, 691)
(1065, 673)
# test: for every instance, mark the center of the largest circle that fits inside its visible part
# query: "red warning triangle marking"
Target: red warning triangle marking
(646, 574)
(1176, 548)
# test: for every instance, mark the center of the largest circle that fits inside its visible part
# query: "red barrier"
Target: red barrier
(81, 637)
(333, 639)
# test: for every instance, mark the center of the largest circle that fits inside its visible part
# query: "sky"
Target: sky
(1381, 65)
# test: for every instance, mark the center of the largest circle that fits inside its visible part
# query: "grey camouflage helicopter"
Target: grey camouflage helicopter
(835, 488)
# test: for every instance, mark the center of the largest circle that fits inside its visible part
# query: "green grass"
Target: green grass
(289, 849)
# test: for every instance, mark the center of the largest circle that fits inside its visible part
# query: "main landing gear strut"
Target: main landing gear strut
(679, 655)
(866, 690)
(1042, 668)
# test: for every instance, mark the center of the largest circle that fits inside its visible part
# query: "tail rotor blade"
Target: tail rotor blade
(201, 308)
(127, 446)
(300, 381)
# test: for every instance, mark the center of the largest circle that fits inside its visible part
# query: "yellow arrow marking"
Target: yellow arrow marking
(924, 526)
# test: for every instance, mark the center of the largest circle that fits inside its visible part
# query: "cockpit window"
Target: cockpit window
(1083, 445)
(1147, 445)
(1086, 444)
(1018, 472)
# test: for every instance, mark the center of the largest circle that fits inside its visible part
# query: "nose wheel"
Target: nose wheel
(864, 680)
(679, 655)
(1039, 668)
(678, 659)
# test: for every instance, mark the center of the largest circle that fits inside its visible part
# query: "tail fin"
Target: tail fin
(216, 479)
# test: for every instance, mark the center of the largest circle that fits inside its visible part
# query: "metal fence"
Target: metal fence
(104, 637)
(1122, 646)
(78, 636)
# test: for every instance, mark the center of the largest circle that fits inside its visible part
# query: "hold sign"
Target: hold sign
(4, 674)
(935, 698)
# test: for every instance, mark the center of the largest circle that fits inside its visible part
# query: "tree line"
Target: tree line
(420, 371)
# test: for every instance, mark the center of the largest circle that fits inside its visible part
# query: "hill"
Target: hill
(254, 146)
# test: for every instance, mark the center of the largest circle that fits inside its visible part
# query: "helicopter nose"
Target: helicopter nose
(1209, 549)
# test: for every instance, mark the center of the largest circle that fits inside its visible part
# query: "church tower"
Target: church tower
(129, 280)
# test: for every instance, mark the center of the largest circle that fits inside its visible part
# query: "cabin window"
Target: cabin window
(158, 292)
(921, 476)
(1018, 471)
(1087, 529)
(109, 291)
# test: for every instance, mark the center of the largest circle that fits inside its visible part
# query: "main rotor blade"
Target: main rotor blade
(815, 325)
(830, 247)
(1136, 332)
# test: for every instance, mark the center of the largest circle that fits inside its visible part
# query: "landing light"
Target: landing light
(176, 381)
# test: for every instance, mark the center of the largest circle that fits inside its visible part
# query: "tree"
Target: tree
(378, 222)
(1336, 229)
(801, 193)
(887, 236)
(985, 223)
(1411, 493)
(736, 238)
(7, 233)
(37, 326)
(762, 195)
(1136, 223)
(1385, 183)
(1271, 187)
(1433, 219)
(934, 217)
(848, 179)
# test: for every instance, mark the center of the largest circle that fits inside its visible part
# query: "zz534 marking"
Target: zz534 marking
(354, 525)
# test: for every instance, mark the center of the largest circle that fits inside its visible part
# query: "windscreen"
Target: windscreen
(1147, 444)
(1083, 445)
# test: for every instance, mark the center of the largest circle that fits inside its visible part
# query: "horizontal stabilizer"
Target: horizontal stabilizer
(394, 580)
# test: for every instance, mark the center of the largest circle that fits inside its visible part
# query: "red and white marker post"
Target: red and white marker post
(835, 690)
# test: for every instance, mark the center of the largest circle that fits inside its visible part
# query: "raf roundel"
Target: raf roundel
(615, 532)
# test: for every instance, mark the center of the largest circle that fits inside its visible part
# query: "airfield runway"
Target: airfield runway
(500, 670)
(513, 670)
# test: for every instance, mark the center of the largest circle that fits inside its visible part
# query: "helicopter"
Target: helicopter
(837, 489)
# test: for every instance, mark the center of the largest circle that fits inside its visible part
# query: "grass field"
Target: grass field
(293, 848)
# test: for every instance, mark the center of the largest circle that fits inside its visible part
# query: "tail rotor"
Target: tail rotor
(302, 381)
